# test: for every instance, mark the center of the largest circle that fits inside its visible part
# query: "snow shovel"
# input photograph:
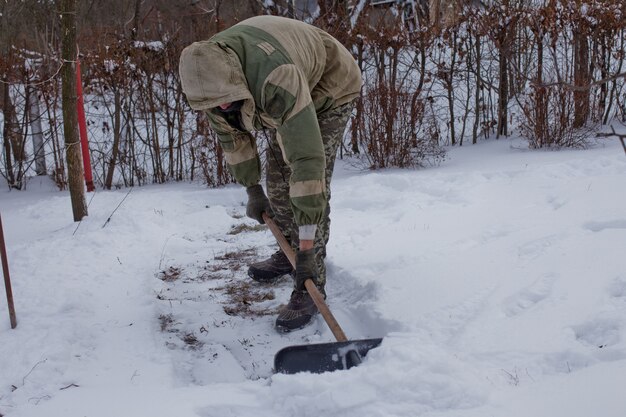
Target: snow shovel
(321, 357)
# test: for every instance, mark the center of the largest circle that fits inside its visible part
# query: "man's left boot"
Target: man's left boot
(268, 270)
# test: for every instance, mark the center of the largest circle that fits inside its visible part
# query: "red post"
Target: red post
(7, 278)
(82, 129)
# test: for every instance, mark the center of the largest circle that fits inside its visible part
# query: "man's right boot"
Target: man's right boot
(298, 312)
(276, 266)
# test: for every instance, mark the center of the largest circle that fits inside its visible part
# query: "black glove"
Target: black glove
(306, 268)
(257, 204)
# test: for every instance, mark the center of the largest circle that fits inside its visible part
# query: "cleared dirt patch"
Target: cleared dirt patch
(241, 228)
(170, 274)
(244, 297)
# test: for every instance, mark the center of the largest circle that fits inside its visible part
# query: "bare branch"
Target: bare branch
(621, 137)
(572, 87)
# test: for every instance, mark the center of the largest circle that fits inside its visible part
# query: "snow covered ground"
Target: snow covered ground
(498, 281)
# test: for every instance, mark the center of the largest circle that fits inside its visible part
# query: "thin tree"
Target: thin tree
(34, 117)
(582, 76)
(503, 85)
(6, 130)
(118, 86)
(73, 156)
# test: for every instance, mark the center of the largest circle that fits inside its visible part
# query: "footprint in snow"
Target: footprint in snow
(599, 332)
(556, 202)
(537, 247)
(606, 330)
(528, 297)
(617, 289)
(596, 226)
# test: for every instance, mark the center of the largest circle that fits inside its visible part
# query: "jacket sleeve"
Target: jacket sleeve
(240, 151)
(287, 101)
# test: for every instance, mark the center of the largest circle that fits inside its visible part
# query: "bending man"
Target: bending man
(275, 73)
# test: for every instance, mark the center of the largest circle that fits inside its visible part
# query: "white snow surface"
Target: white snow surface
(498, 281)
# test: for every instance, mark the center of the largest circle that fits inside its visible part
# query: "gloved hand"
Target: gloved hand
(306, 268)
(257, 203)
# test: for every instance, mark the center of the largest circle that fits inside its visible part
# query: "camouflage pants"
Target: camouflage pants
(332, 125)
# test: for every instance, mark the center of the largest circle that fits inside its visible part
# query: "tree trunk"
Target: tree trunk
(503, 95)
(290, 9)
(117, 133)
(58, 172)
(478, 91)
(613, 91)
(73, 155)
(505, 37)
(136, 20)
(34, 115)
(434, 11)
(449, 81)
(6, 134)
(354, 131)
(11, 130)
(581, 79)
(541, 104)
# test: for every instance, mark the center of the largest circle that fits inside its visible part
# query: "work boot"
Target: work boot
(298, 312)
(276, 266)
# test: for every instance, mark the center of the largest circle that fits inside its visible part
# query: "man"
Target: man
(298, 81)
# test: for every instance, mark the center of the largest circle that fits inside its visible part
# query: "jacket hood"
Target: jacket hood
(211, 75)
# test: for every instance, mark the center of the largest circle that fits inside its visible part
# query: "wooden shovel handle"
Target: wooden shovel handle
(315, 294)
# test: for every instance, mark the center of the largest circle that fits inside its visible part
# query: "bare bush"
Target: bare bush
(548, 120)
(209, 155)
(394, 133)
(539, 68)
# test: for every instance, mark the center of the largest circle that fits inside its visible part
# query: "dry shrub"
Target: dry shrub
(209, 154)
(394, 132)
(547, 119)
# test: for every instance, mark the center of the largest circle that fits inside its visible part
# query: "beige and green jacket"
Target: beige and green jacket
(287, 72)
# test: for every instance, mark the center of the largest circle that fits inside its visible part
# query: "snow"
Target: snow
(110, 65)
(153, 46)
(498, 281)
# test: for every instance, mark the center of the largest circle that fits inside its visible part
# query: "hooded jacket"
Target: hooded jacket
(285, 72)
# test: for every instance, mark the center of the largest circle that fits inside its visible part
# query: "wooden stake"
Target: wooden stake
(7, 278)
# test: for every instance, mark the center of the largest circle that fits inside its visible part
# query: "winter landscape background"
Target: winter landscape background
(493, 267)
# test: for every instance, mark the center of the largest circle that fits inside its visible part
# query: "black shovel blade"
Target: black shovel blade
(323, 357)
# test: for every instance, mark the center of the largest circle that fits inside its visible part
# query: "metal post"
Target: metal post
(7, 278)
(82, 128)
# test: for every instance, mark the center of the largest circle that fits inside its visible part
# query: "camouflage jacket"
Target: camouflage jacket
(286, 72)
